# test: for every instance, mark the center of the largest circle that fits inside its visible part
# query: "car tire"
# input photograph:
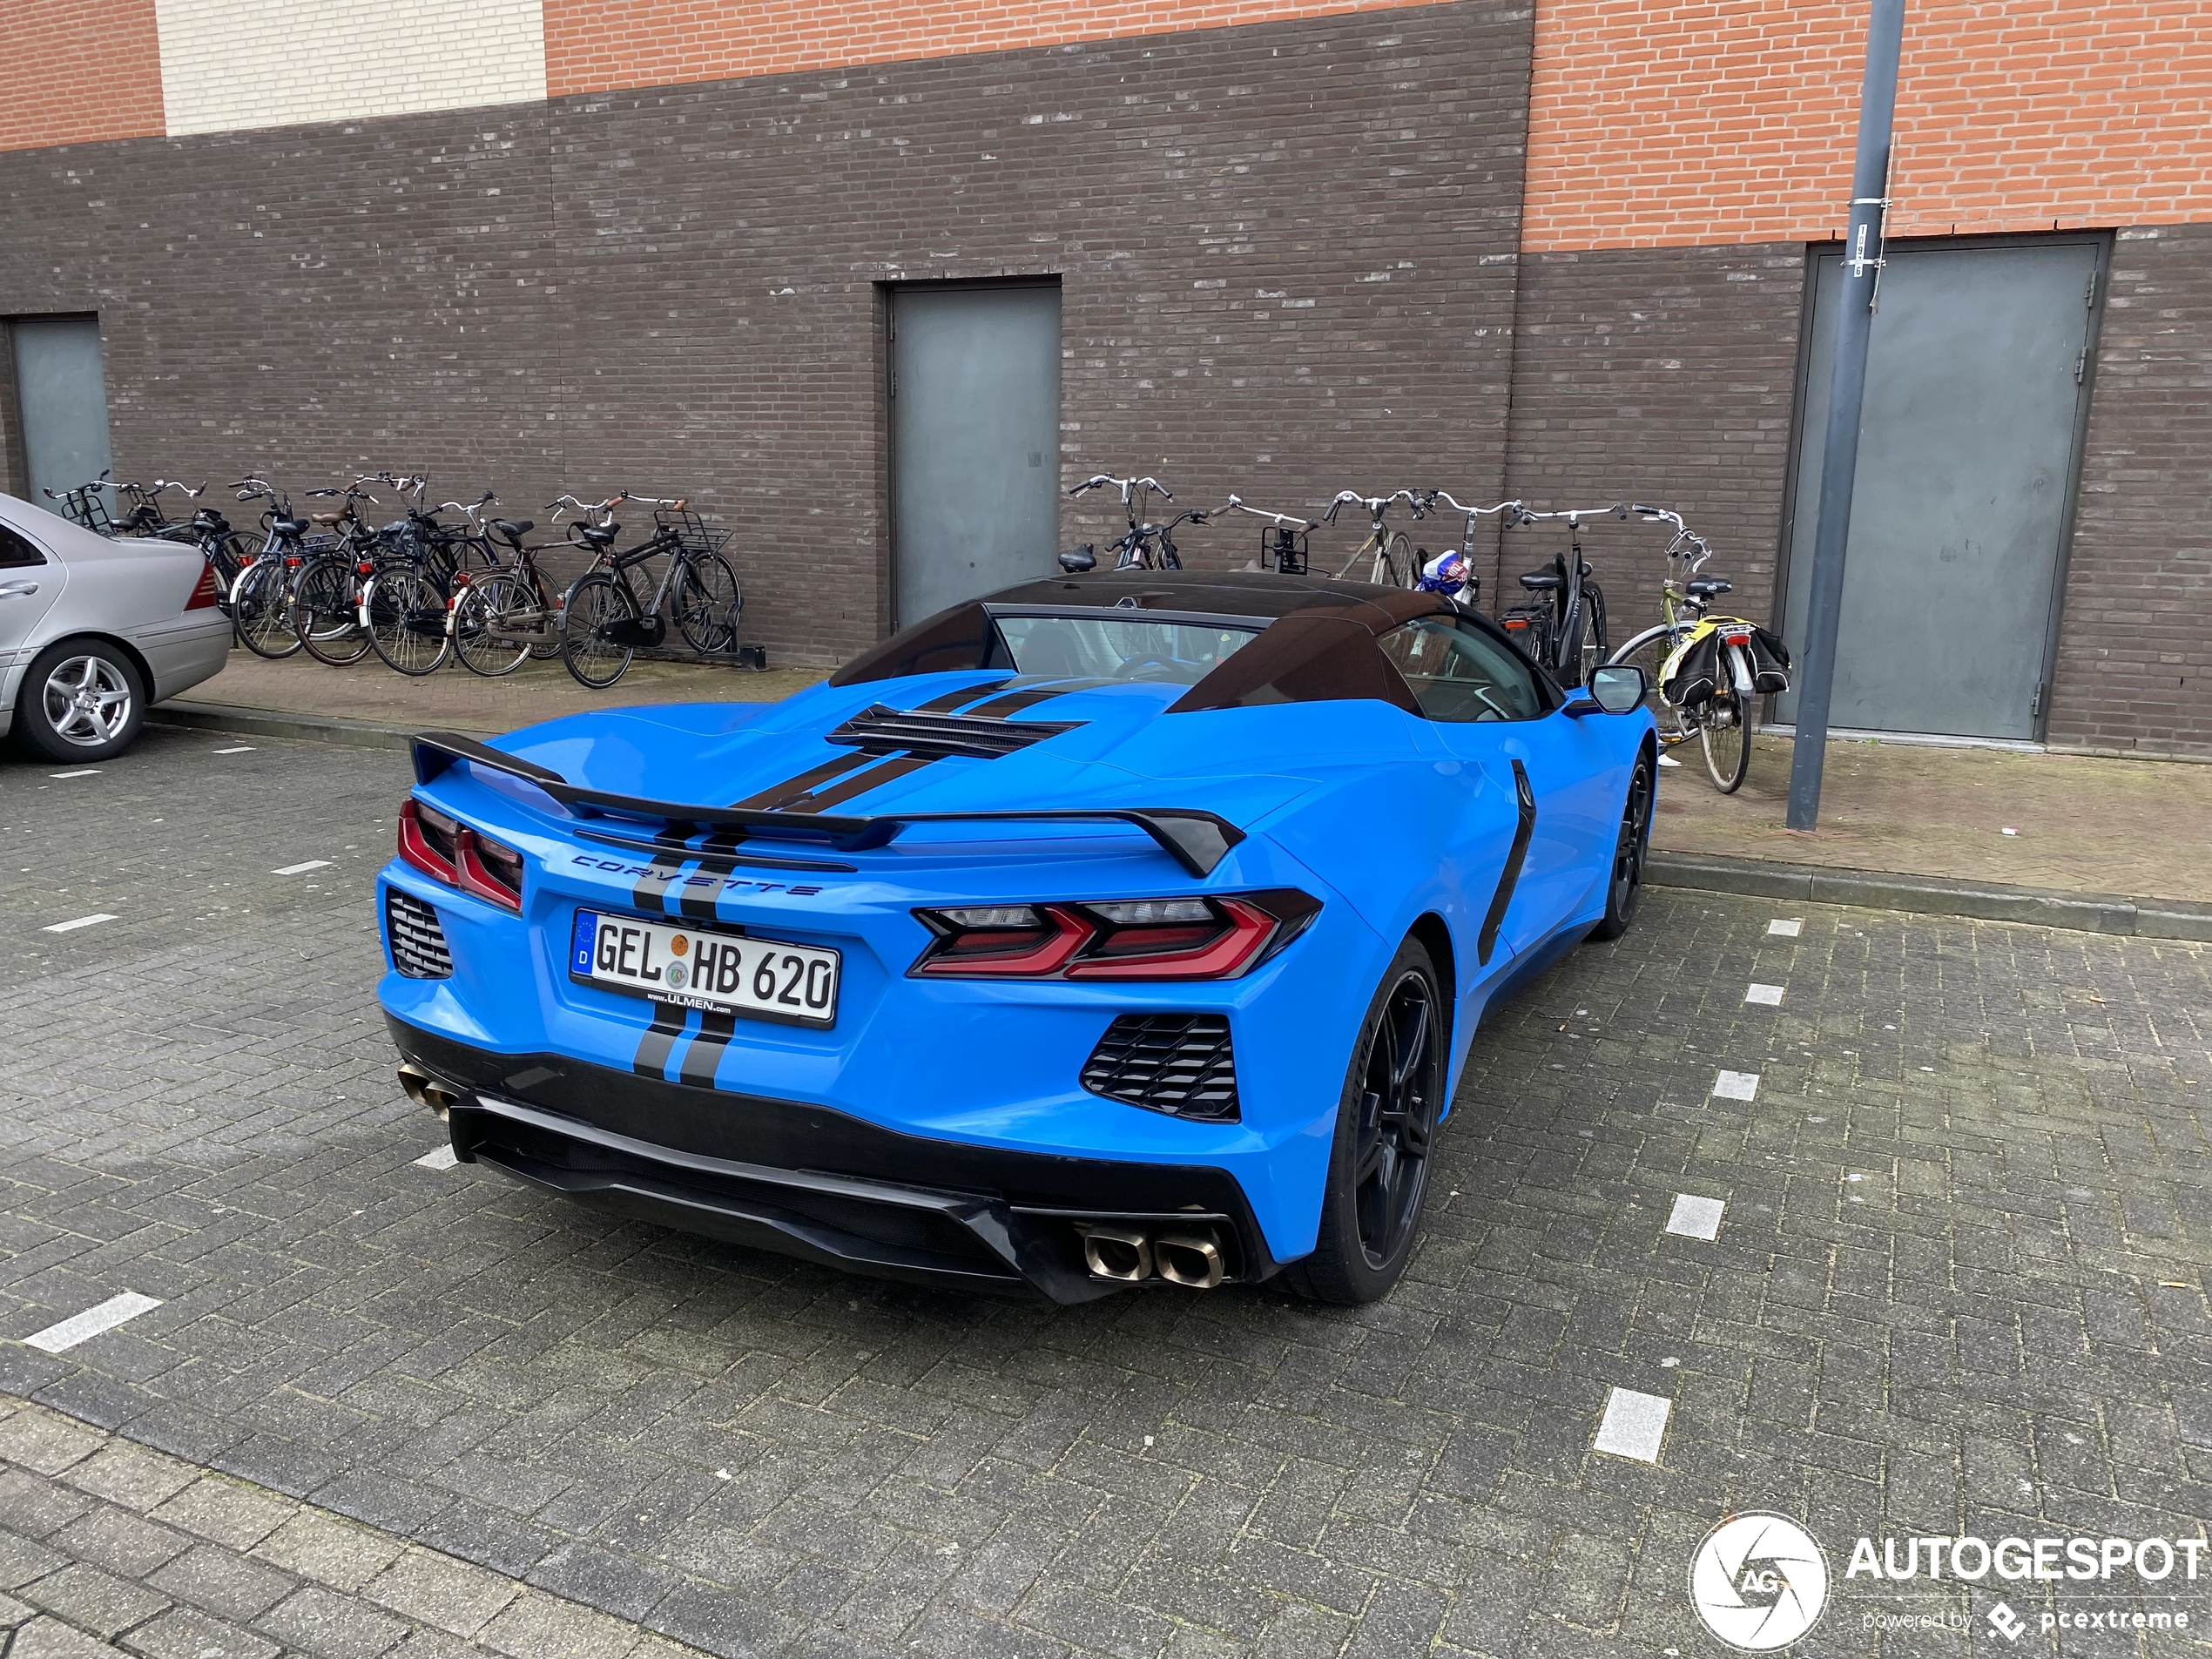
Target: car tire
(1633, 846)
(1377, 1184)
(67, 709)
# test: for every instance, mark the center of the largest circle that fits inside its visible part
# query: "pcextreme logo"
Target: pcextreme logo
(1758, 1581)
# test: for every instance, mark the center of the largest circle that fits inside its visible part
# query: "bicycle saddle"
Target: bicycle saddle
(512, 528)
(284, 526)
(593, 536)
(324, 518)
(1540, 581)
(1705, 587)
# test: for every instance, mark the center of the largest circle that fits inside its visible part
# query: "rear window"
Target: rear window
(1108, 648)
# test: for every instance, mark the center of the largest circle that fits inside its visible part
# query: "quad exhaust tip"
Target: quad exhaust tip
(1193, 1258)
(425, 1090)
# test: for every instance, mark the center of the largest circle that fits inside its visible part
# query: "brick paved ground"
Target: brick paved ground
(1958, 1285)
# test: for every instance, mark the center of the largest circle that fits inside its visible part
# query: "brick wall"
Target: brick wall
(77, 71)
(1665, 376)
(2135, 665)
(1667, 122)
(1287, 254)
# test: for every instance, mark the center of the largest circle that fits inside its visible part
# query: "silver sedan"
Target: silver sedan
(93, 631)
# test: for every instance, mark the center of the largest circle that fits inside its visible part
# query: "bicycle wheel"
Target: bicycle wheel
(706, 603)
(595, 602)
(1649, 650)
(1724, 732)
(406, 621)
(261, 609)
(325, 612)
(486, 619)
(1394, 563)
(227, 555)
(1594, 642)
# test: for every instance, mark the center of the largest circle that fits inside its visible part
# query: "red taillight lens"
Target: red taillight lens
(1736, 639)
(365, 569)
(1138, 939)
(448, 851)
(203, 596)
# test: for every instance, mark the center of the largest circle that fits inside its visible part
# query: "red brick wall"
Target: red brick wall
(74, 71)
(1659, 122)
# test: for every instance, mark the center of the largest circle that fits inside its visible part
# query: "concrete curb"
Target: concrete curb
(2094, 912)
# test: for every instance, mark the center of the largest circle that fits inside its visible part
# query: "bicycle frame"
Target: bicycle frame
(1376, 548)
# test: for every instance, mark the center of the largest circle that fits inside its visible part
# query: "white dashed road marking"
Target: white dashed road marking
(1633, 1425)
(1770, 994)
(440, 1159)
(1784, 929)
(1737, 1085)
(88, 772)
(302, 869)
(82, 922)
(79, 1327)
(1695, 1217)
(242, 749)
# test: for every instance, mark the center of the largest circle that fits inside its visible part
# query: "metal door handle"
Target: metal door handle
(17, 589)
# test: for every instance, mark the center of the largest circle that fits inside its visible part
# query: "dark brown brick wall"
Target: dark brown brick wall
(1664, 376)
(1286, 257)
(2134, 662)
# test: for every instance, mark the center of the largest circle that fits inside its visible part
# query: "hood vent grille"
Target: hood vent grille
(880, 731)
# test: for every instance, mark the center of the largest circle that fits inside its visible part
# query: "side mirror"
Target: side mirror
(1611, 691)
(1076, 560)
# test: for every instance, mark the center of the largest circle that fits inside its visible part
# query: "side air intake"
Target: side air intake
(418, 942)
(1178, 1063)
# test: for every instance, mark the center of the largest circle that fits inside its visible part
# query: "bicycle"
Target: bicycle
(325, 595)
(261, 597)
(1720, 719)
(603, 618)
(1389, 553)
(1285, 541)
(1144, 545)
(1563, 628)
(1453, 574)
(407, 604)
(508, 615)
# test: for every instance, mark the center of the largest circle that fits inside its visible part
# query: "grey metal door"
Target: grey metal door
(1976, 390)
(62, 394)
(974, 441)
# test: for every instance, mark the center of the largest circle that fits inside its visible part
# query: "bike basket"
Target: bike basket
(1284, 548)
(691, 531)
(87, 511)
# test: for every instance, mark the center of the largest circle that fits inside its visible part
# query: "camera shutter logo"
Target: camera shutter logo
(1758, 1581)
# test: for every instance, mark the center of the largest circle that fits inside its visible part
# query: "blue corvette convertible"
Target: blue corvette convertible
(1109, 931)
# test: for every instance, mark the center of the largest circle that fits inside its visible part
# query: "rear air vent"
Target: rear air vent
(418, 942)
(1180, 1064)
(878, 730)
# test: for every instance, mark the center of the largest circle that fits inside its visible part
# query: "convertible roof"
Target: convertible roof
(1351, 614)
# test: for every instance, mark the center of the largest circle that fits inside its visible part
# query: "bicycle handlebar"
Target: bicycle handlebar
(1125, 485)
(1618, 510)
(1445, 495)
(1236, 505)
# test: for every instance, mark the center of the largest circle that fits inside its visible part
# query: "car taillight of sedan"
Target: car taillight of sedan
(448, 851)
(1210, 938)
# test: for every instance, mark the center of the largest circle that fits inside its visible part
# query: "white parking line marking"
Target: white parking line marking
(1695, 1217)
(1633, 1425)
(443, 1158)
(302, 869)
(242, 749)
(80, 1327)
(1768, 995)
(1784, 929)
(1737, 1085)
(88, 772)
(82, 922)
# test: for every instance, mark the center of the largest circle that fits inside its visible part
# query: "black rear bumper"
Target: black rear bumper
(809, 1182)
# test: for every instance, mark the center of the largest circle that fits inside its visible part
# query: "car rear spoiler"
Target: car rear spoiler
(1197, 840)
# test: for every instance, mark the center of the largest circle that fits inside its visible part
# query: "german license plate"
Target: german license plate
(697, 967)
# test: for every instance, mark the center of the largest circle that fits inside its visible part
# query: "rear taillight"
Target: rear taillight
(448, 851)
(1736, 639)
(203, 596)
(1138, 939)
(364, 569)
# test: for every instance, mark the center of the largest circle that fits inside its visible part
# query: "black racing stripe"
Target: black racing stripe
(861, 782)
(775, 795)
(1510, 876)
(705, 1051)
(650, 892)
(950, 700)
(694, 898)
(998, 707)
(659, 1039)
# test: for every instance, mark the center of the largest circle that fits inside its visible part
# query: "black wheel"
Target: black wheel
(1594, 640)
(261, 608)
(487, 619)
(1378, 1160)
(83, 699)
(406, 621)
(594, 604)
(1629, 851)
(227, 555)
(325, 612)
(706, 605)
(1724, 731)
